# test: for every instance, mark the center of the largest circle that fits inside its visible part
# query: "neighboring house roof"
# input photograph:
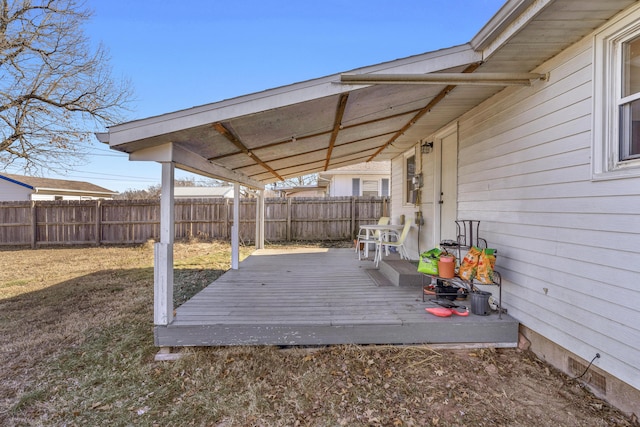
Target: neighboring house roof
(226, 191)
(329, 122)
(365, 168)
(53, 185)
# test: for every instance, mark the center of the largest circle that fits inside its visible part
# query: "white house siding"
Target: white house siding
(10, 192)
(568, 247)
(398, 207)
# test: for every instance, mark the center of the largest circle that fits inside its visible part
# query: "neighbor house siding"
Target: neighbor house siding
(11, 192)
(342, 185)
(568, 247)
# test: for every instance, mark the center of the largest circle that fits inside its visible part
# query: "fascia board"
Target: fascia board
(13, 181)
(501, 31)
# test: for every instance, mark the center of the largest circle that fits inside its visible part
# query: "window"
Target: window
(629, 103)
(616, 132)
(369, 188)
(355, 186)
(385, 187)
(410, 170)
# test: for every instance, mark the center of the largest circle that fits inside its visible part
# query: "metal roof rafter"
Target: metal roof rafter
(222, 129)
(337, 124)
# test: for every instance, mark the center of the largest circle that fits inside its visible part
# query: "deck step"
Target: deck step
(400, 272)
(378, 278)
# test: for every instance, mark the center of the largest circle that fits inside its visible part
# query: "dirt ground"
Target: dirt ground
(76, 348)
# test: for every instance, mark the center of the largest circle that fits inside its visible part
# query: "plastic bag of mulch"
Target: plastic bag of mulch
(469, 265)
(428, 263)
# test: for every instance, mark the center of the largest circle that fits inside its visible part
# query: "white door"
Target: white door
(448, 186)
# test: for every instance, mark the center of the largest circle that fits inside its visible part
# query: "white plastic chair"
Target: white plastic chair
(399, 243)
(375, 238)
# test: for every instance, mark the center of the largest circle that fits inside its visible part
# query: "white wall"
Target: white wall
(341, 185)
(398, 207)
(10, 192)
(41, 196)
(568, 247)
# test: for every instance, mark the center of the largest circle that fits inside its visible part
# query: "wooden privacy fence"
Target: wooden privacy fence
(113, 222)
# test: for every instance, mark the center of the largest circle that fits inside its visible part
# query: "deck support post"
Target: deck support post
(163, 251)
(235, 228)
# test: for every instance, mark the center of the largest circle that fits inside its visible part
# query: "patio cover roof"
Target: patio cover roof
(326, 123)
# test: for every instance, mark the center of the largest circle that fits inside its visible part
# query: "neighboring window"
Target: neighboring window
(57, 197)
(629, 102)
(616, 133)
(355, 186)
(384, 191)
(410, 170)
(369, 188)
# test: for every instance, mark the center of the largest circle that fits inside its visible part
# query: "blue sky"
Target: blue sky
(183, 54)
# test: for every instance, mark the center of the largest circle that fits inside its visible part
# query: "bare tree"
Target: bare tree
(299, 181)
(153, 191)
(55, 88)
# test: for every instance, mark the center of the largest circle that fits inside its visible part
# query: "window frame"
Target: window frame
(607, 159)
(408, 181)
(385, 187)
(367, 193)
(355, 182)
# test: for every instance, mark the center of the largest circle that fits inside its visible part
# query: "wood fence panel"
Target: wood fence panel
(368, 210)
(315, 219)
(275, 219)
(130, 221)
(136, 221)
(65, 222)
(15, 222)
(201, 218)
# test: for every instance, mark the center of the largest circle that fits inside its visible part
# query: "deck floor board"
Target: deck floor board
(318, 297)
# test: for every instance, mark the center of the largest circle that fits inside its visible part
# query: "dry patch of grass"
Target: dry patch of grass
(77, 349)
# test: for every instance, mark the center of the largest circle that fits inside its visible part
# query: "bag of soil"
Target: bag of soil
(428, 263)
(486, 264)
(469, 265)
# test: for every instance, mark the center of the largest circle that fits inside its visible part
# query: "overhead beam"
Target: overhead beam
(435, 101)
(188, 160)
(479, 79)
(222, 129)
(192, 162)
(337, 122)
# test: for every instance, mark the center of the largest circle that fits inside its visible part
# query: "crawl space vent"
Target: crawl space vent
(594, 379)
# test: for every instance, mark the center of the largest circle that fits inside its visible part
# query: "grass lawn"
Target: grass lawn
(77, 348)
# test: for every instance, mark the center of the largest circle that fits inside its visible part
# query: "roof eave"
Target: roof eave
(282, 96)
(506, 16)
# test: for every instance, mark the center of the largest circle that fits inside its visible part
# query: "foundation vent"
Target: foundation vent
(594, 379)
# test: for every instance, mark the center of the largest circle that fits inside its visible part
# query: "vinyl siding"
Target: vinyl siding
(568, 247)
(342, 185)
(10, 192)
(398, 208)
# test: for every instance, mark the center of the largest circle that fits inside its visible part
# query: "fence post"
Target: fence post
(98, 231)
(226, 219)
(289, 219)
(353, 217)
(34, 224)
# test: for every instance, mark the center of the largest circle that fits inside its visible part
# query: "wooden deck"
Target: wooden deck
(319, 297)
